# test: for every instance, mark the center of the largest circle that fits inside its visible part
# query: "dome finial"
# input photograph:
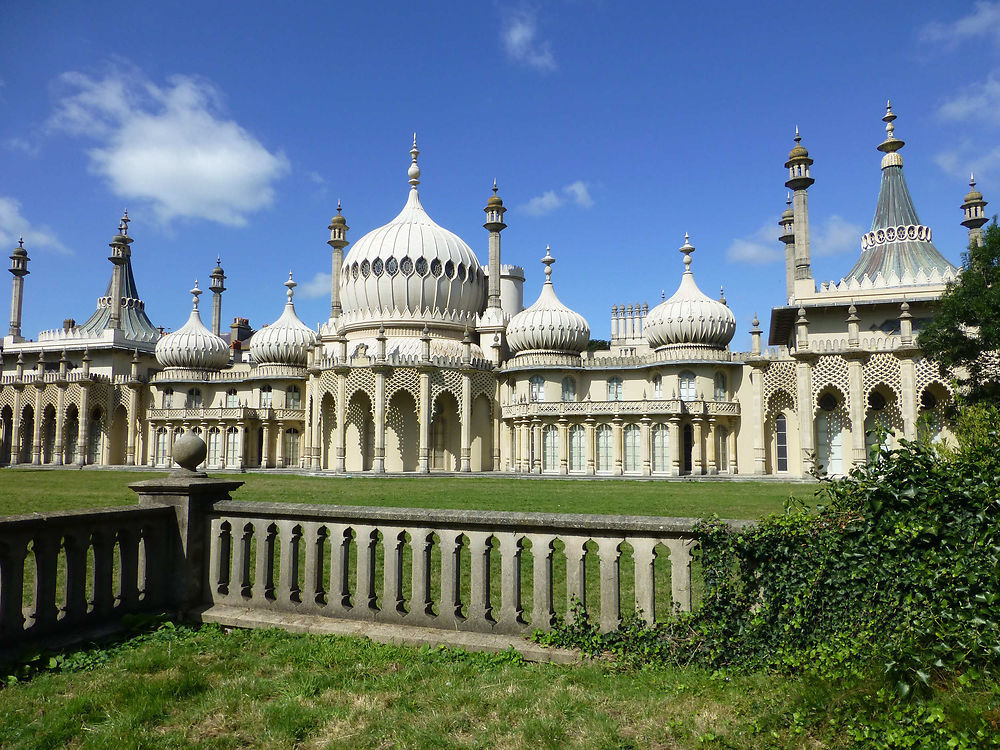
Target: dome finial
(291, 287)
(798, 138)
(495, 186)
(338, 206)
(722, 295)
(414, 171)
(196, 292)
(548, 260)
(891, 144)
(788, 198)
(687, 248)
(123, 226)
(20, 242)
(972, 179)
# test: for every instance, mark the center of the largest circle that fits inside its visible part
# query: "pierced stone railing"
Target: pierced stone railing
(670, 406)
(408, 566)
(64, 572)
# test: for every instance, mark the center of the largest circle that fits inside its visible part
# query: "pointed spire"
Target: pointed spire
(195, 293)
(548, 260)
(687, 248)
(891, 144)
(722, 295)
(495, 186)
(291, 287)
(414, 170)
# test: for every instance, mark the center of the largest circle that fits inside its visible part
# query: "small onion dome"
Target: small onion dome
(339, 218)
(193, 346)
(494, 199)
(798, 150)
(548, 325)
(690, 317)
(287, 340)
(973, 194)
(19, 251)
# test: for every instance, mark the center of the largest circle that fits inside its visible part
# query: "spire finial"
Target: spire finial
(722, 295)
(755, 322)
(291, 287)
(798, 137)
(494, 186)
(788, 198)
(972, 179)
(195, 293)
(687, 248)
(20, 242)
(548, 260)
(123, 225)
(414, 171)
(338, 206)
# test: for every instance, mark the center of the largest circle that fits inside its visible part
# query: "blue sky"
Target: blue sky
(612, 129)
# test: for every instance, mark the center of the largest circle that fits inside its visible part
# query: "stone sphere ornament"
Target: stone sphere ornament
(189, 451)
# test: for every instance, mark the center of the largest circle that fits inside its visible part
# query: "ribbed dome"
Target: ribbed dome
(411, 271)
(548, 325)
(690, 317)
(287, 340)
(193, 346)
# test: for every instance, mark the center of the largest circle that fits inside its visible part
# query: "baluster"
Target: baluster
(243, 533)
(46, 552)
(313, 590)
(511, 613)
(128, 543)
(364, 595)
(542, 549)
(338, 601)
(218, 580)
(480, 614)
(680, 571)
(76, 577)
(450, 611)
(644, 555)
(609, 552)
(12, 554)
(392, 573)
(421, 603)
(576, 573)
(289, 534)
(263, 584)
(104, 560)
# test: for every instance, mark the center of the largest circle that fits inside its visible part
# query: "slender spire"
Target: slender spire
(195, 293)
(687, 248)
(291, 287)
(891, 144)
(548, 260)
(414, 170)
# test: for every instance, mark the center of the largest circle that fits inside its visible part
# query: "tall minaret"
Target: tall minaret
(338, 241)
(217, 287)
(19, 268)
(787, 224)
(975, 216)
(799, 181)
(120, 253)
(494, 225)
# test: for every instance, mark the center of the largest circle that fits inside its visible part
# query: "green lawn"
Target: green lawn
(27, 490)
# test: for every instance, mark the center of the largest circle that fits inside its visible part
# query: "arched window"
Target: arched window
(632, 460)
(265, 397)
(168, 398)
(657, 386)
(722, 449)
(781, 442)
(193, 399)
(94, 435)
(604, 453)
(614, 389)
(576, 450)
(686, 385)
(231, 398)
(550, 448)
(214, 447)
(661, 449)
(291, 447)
(829, 440)
(569, 389)
(720, 386)
(161, 447)
(536, 388)
(233, 447)
(293, 398)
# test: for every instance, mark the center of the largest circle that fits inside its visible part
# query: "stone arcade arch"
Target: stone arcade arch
(95, 436)
(71, 435)
(328, 424)
(27, 431)
(6, 434)
(481, 452)
(117, 436)
(446, 433)
(359, 436)
(48, 434)
(402, 433)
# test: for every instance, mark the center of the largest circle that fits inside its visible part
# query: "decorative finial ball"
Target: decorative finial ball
(189, 451)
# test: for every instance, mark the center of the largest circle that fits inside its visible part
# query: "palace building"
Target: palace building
(430, 362)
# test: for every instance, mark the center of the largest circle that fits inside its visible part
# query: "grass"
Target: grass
(35, 490)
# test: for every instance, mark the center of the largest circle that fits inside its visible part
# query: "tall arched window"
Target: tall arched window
(720, 386)
(293, 398)
(781, 442)
(536, 388)
(214, 440)
(577, 435)
(232, 399)
(661, 449)
(265, 397)
(657, 386)
(94, 438)
(161, 447)
(569, 389)
(686, 385)
(614, 389)
(291, 447)
(632, 459)
(233, 447)
(604, 453)
(193, 399)
(829, 445)
(168, 398)
(722, 449)
(550, 448)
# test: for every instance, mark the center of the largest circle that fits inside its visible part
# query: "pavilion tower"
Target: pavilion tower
(217, 287)
(338, 241)
(19, 268)
(975, 214)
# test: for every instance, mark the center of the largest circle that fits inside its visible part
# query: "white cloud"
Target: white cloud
(833, 236)
(959, 162)
(576, 192)
(983, 21)
(520, 40)
(318, 286)
(13, 225)
(22, 145)
(169, 146)
(980, 101)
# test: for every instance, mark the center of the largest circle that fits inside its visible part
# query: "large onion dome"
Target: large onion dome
(411, 272)
(287, 340)
(548, 325)
(689, 317)
(193, 346)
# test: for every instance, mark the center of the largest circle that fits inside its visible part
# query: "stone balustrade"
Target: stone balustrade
(226, 412)
(531, 409)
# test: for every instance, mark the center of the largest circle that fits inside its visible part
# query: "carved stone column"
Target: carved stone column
(466, 417)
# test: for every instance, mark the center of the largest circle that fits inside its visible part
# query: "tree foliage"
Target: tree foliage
(964, 335)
